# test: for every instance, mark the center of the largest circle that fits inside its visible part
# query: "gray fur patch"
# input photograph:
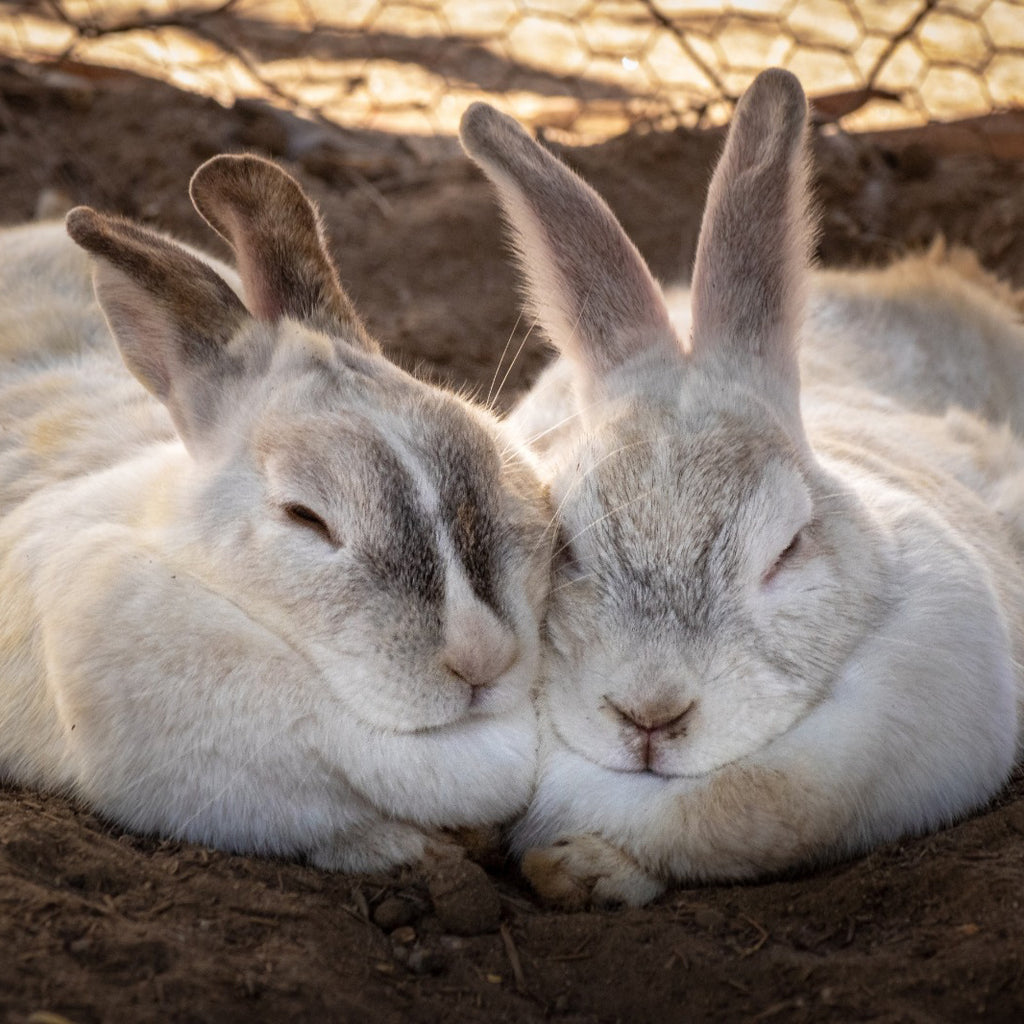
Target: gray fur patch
(468, 506)
(670, 575)
(402, 557)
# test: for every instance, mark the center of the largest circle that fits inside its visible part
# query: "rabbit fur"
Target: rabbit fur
(265, 591)
(787, 617)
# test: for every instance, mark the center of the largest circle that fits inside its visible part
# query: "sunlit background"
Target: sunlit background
(590, 68)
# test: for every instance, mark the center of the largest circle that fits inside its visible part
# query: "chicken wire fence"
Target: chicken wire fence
(592, 68)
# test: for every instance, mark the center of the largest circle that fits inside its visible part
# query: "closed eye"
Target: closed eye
(787, 553)
(304, 516)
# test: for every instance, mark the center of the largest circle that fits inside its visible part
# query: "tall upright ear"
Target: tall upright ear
(751, 269)
(275, 231)
(171, 314)
(586, 282)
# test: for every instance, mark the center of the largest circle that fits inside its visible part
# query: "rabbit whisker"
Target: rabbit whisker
(596, 404)
(504, 352)
(549, 430)
(501, 358)
(569, 583)
(612, 512)
(579, 480)
(512, 363)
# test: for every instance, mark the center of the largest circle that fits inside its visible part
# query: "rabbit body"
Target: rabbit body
(787, 619)
(283, 598)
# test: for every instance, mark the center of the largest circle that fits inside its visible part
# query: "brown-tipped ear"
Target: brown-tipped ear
(170, 313)
(275, 231)
(588, 285)
(752, 256)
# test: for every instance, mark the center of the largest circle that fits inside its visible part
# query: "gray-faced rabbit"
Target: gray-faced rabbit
(786, 618)
(282, 597)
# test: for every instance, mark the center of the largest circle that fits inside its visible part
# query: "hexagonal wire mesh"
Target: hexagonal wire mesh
(589, 67)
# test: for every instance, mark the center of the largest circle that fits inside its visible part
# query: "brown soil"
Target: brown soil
(100, 926)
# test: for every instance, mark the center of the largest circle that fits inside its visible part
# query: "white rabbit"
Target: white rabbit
(287, 601)
(786, 623)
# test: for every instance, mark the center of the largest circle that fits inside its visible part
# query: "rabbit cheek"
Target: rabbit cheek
(744, 704)
(585, 719)
(393, 679)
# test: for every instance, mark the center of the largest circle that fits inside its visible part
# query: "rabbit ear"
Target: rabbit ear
(275, 231)
(171, 314)
(588, 284)
(751, 266)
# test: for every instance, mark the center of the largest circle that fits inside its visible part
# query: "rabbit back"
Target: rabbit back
(932, 332)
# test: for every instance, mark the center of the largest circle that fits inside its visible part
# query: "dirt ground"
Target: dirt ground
(99, 926)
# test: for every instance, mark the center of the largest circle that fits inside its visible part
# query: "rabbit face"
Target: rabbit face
(701, 602)
(393, 543)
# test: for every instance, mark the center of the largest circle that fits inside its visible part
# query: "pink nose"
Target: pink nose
(651, 722)
(479, 649)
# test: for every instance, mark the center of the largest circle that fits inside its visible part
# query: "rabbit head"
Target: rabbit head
(711, 575)
(382, 528)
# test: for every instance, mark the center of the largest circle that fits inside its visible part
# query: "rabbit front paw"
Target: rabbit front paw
(378, 846)
(586, 870)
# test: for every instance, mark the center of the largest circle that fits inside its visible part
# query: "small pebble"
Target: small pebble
(394, 912)
(404, 936)
(465, 900)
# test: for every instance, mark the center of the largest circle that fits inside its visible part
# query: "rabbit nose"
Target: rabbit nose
(478, 647)
(652, 720)
(647, 723)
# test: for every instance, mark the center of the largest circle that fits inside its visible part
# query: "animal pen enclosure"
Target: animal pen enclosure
(593, 68)
(919, 134)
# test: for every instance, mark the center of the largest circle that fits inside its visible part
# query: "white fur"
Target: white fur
(787, 622)
(175, 649)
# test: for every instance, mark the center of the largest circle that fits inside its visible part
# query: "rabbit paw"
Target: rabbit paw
(377, 846)
(441, 849)
(587, 870)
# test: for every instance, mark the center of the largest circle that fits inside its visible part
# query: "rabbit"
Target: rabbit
(787, 613)
(260, 588)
